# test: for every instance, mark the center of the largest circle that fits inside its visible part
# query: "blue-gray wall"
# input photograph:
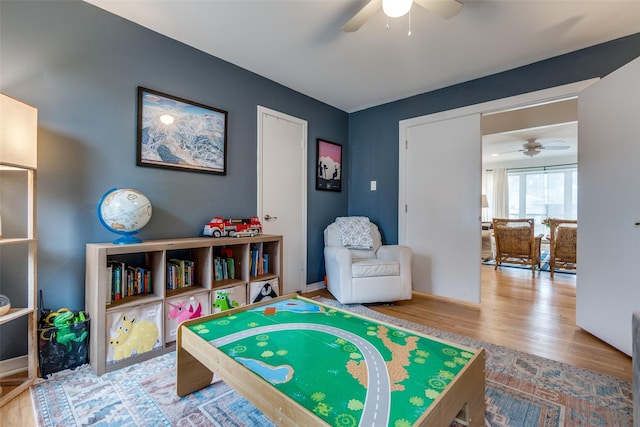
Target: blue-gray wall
(373, 133)
(80, 66)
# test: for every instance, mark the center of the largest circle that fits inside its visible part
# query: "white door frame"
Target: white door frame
(303, 160)
(510, 103)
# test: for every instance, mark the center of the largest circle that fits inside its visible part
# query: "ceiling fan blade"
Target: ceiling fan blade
(508, 152)
(555, 147)
(445, 8)
(362, 16)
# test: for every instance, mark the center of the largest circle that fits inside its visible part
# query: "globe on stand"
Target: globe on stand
(124, 211)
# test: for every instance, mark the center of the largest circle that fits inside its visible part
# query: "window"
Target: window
(543, 192)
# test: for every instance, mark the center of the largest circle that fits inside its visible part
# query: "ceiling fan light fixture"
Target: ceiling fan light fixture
(396, 8)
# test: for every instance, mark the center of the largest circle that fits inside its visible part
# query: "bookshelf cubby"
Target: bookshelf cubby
(156, 307)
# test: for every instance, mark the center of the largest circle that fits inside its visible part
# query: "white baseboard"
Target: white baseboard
(13, 366)
(314, 286)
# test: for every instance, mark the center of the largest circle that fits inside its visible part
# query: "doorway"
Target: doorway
(282, 190)
(468, 208)
(529, 168)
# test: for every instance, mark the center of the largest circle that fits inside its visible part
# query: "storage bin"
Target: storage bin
(228, 298)
(263, 290)
(133, 331)
(179, 309)
(63, 347)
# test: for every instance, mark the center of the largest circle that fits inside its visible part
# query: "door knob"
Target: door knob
(268, 217)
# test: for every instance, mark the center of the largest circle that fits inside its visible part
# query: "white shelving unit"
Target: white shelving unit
(155, 305)
(18, 240)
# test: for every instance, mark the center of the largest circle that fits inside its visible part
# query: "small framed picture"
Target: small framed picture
(329, 166)
(178, 134)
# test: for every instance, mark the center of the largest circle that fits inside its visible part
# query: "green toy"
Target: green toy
(223, 302)
(63, 322)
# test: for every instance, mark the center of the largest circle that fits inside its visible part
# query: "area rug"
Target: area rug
(522, 390)
(544, 264)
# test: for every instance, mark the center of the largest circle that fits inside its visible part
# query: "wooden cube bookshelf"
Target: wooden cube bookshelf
(155, 256)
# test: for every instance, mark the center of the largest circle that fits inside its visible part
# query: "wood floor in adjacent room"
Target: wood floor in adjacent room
(535, 315)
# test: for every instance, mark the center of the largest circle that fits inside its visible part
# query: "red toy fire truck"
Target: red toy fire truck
(218, 227)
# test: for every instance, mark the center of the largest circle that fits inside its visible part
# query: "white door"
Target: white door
(282, 190)
(608, 286)
(441, 221)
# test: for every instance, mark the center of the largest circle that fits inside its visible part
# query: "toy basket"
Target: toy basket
(64, 347)
(63, 340)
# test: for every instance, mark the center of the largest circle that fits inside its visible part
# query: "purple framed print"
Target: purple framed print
(175, 133)
(329, 166)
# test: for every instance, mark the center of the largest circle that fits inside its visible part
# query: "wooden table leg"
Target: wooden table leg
(191, 375)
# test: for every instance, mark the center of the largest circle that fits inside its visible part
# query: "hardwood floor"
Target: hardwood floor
(18, 412)
(535, 315)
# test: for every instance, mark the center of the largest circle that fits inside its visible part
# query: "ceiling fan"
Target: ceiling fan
(533, 148)
(444, 8)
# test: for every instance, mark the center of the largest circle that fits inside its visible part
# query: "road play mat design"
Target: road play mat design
(346, 369)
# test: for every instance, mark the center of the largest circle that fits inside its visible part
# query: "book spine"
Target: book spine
(147, 282)
(116, 282)
(109, 284)
(231, 268)
(254, 262)
(123, 280)
(216, 268)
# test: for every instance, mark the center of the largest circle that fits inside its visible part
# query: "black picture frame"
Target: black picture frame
(175, 133)
(328, 165)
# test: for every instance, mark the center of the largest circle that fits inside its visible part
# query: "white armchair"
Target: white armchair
(362, 270)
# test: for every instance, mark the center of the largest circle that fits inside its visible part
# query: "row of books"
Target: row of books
(259, 262)
(181, 273)
(224, 268)
(125, 281)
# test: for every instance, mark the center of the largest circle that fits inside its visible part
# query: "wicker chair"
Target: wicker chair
(516, 243)
(563, 239)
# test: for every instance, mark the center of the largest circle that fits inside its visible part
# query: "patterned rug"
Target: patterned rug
(522, 390)
(544, 264)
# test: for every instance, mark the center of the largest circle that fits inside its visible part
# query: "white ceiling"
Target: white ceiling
(554, 125)
(300, 44)
(507, 146)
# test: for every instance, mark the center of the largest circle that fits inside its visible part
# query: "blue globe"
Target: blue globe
(125, 212)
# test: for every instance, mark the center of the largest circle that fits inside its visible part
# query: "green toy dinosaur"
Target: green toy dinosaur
(223, 302)
(63, 322)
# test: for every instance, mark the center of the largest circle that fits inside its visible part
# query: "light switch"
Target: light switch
(373, 186)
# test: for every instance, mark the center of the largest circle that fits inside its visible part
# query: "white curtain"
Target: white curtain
(487, 190)
(500, 193)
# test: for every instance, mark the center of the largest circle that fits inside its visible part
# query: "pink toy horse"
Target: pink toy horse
(184, 310)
